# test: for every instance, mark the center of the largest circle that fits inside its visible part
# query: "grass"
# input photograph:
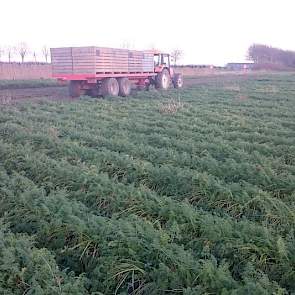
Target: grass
(180, 192)
(22, 84)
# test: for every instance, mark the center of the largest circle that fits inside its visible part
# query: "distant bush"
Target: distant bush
(267, 55)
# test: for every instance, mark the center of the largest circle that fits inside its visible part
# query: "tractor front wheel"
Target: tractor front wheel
(163, 80)
(177, 81)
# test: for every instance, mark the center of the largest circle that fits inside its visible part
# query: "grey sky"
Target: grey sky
(209, 32)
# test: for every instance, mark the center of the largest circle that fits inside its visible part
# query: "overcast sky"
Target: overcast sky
(208, 31)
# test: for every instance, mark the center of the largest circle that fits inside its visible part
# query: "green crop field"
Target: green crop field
(184, 192)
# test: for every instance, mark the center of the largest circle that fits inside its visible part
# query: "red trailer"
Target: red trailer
(109, 71)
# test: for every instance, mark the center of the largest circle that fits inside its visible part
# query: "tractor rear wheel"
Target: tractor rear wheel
(75, 89)
(109, 87)
(177, 81)
(163, 80)
(124, 87)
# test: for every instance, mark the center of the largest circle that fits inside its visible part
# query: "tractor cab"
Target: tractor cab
(165, 73)
(161, 61)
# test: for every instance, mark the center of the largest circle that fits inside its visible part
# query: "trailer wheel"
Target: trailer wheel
(109, 87)
(177, 81)
(163, 80)
(75, 89)
(124, 86)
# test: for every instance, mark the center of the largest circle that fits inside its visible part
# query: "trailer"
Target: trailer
(111, 72)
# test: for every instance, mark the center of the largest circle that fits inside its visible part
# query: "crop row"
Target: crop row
(105, 247)
(229, 185)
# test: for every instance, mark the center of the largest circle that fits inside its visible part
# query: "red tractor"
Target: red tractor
(111, 72)
(165, 74)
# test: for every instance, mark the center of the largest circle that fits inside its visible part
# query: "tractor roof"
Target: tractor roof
(155, 51)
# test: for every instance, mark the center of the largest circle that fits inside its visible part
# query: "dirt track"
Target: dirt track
(55, 93)
(8, 96)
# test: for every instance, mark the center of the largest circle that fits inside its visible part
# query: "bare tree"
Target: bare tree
(1, 53)
(126, 44)
(10, 51)
(264, 54)
(259, 53)
(176, 54)
(23, 50)
(35, 56)
(45, 52)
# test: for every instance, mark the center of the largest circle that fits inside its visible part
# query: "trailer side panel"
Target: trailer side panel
(98, 61)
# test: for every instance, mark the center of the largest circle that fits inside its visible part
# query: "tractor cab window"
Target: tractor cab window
(157, 60)
(165, 60)
(162, 60)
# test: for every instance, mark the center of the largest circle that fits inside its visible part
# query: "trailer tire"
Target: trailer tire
(177, 81)
(109, 87)
(124, 86)
(75, 89)
(163, 80)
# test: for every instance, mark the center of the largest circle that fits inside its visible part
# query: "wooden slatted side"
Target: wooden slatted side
(83, 60)
(111, 60)
(148, 62)
(140, 61)
(61, 59)
(135, 61)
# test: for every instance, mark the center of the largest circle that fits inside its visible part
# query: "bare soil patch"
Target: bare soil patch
(11, 95)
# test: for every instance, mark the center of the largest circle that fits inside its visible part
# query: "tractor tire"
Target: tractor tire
(163, 80)
(109, 87)
(124, 87)
(177, 81)
(75, 89)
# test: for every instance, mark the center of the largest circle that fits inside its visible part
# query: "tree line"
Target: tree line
(263, 54)
(23, 52)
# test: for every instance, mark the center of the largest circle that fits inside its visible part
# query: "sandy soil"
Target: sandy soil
(10, 95)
